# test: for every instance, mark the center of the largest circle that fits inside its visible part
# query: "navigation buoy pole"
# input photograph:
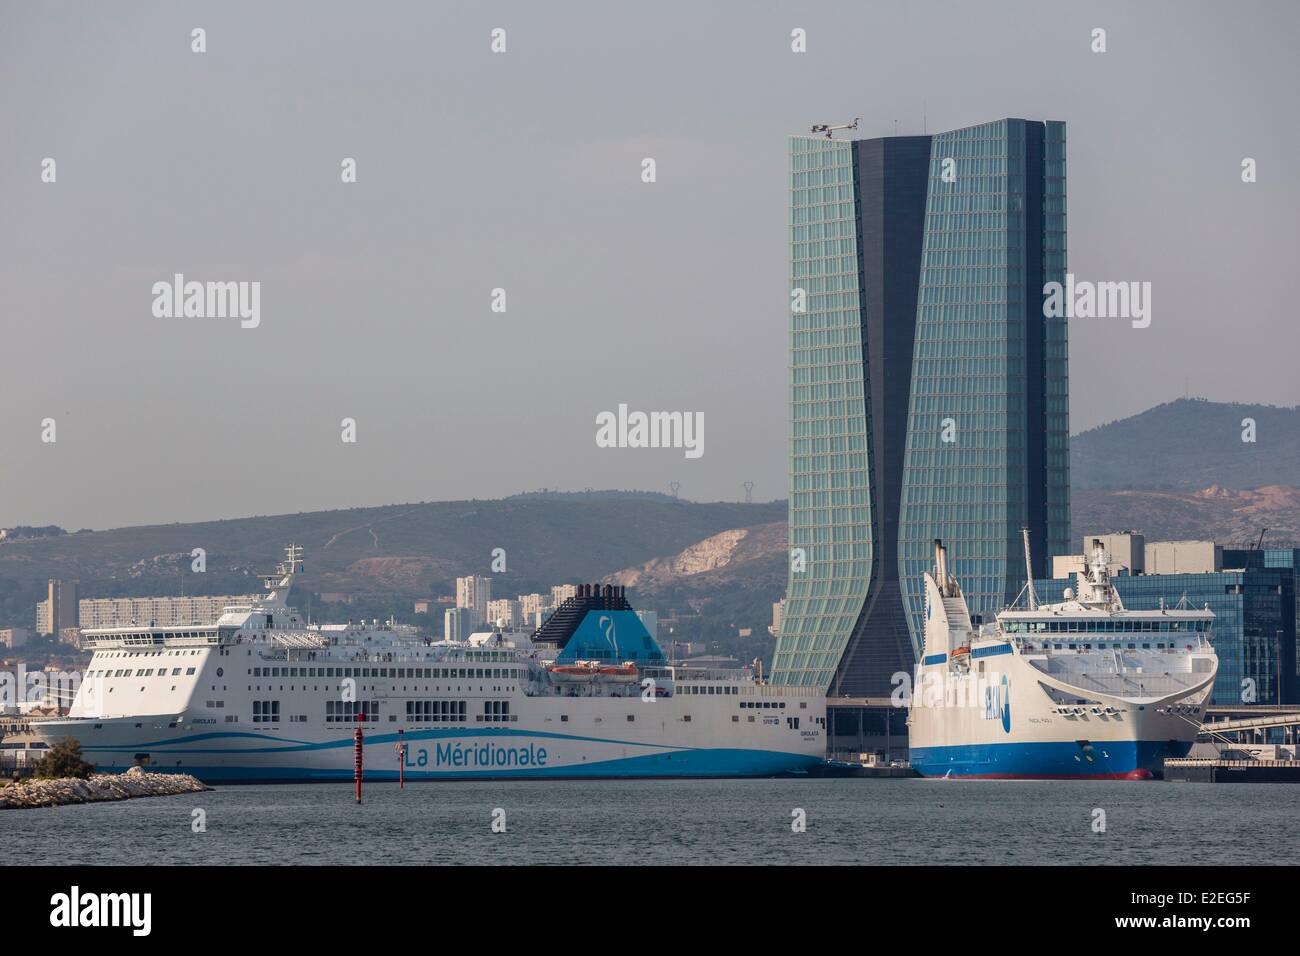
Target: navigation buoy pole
(357, 746)
(401, 760)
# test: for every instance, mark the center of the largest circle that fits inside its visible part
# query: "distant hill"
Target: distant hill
(1188, 445)
(1219, 514)
(398, 551)
(1174, 471)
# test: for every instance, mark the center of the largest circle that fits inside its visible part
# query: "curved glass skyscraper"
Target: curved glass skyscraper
(929, 394)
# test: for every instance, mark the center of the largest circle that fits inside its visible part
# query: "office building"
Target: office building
(929, 395)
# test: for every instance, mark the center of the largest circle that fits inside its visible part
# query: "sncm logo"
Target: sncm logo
(103, 909)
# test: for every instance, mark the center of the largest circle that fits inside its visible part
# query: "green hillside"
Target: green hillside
(393, 552)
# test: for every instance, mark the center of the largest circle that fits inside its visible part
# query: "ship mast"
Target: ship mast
(1031, 596)
(279, 582)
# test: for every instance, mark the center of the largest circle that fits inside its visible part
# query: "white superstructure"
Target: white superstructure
(1080, 688)
(263, 695)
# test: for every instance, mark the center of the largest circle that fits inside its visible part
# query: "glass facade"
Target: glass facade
(921, 302)
(988, 427)
(830, 507)
(1288, 558)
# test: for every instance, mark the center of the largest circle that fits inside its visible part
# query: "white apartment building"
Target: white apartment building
(163, 611)
(474, 593)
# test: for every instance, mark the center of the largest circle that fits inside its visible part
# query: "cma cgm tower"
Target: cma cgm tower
(929, 395)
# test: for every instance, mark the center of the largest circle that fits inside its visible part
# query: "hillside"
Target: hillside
(1223, 515)
(1174, 471)
(398, 551)
(1188, 445)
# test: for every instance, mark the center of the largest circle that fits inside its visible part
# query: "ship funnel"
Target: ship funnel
(941, 565)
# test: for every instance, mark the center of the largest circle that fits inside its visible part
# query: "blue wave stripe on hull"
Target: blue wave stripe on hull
(1053, 759)
(681, 763)
(372, 738)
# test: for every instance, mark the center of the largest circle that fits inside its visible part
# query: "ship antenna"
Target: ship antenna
(1031, 596)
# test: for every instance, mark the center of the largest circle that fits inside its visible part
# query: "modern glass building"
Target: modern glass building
(987, 441)
(929, 395)
(1287, 558)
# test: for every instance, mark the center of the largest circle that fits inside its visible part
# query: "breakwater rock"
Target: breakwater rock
(101, 786)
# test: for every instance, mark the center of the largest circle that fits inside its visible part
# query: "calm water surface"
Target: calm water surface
(678, 822)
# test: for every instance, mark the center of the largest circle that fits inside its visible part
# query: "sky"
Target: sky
(522, 171)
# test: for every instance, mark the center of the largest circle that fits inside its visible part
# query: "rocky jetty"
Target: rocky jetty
(101, 786)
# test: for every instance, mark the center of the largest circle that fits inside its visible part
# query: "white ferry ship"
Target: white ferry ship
(262, 695)
(1083, 688)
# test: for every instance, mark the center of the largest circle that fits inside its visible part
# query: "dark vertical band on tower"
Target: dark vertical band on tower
(890, 182)
(1035, 353)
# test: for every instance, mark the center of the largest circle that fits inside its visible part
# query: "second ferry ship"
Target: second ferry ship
(263, 696)
(1081, 688)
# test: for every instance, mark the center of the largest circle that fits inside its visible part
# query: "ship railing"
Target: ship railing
(687, 673)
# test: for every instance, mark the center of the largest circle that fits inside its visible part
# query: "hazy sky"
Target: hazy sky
(522, 171)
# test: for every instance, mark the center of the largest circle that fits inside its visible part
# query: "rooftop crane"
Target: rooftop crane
(828, 129)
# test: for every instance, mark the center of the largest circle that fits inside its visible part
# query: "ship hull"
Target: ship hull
(1049, 760)
(1004, 725)
(723, 749)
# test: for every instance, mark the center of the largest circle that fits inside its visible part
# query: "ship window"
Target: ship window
(631, 717)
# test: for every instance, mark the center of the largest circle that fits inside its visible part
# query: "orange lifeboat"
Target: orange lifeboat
(619, 673)
(576, 673)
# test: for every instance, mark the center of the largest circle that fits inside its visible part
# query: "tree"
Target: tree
(63, 759)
